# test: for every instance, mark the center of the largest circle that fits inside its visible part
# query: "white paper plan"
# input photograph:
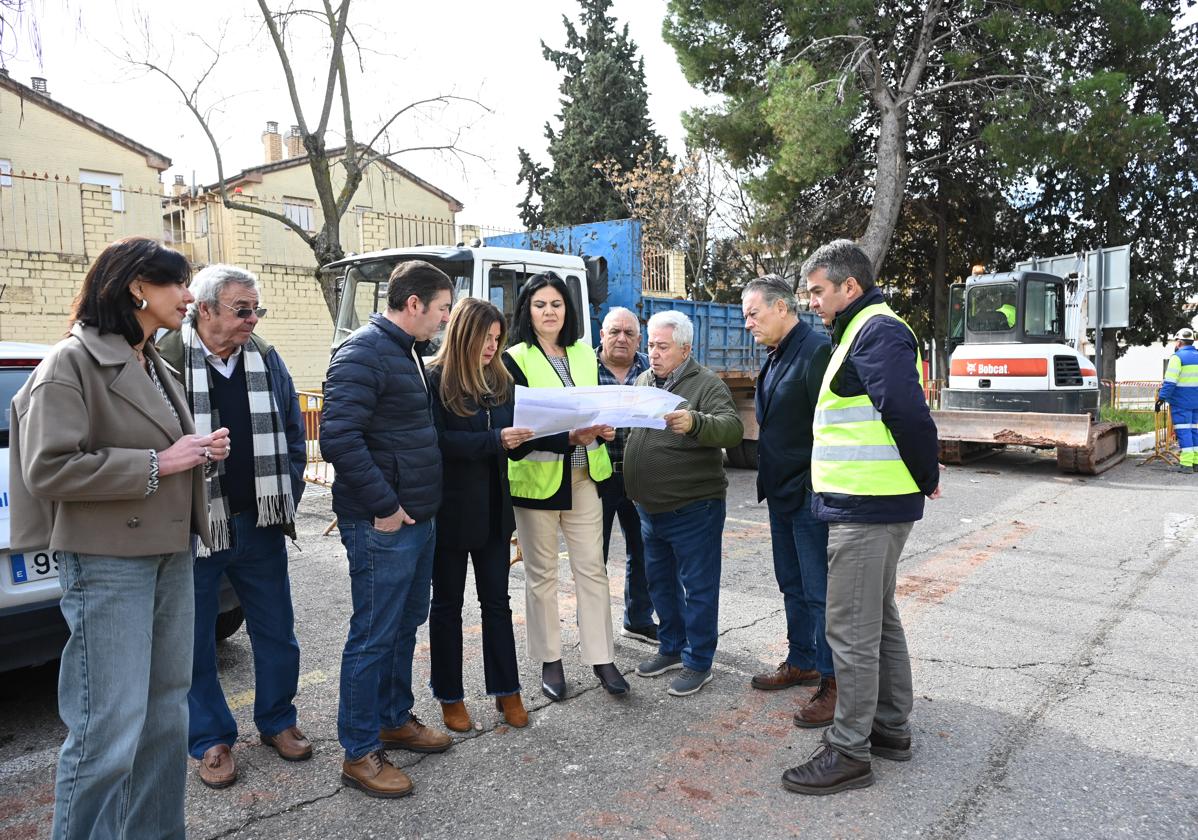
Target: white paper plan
(548, 411)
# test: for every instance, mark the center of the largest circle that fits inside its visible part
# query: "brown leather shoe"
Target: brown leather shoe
(290, 744)
(513, 711)
(786, 676)
(456, 717)
(374, 775)
(821, 708)
(828, 772)
(414, 736)
(217, 768)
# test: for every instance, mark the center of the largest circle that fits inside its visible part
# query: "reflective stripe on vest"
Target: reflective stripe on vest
(1185, 376)
(538, 475)
(854, 453)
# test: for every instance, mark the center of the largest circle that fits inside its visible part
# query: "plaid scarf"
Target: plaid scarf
(272, 479)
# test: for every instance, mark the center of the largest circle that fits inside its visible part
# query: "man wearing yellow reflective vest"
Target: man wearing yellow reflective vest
(1180, 391)
(873, 461)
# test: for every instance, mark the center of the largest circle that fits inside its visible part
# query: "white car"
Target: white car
(32, 629)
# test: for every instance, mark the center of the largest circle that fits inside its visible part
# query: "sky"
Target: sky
(485, 51)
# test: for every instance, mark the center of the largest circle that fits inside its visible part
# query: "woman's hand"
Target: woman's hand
(193, 450)
(514, 436)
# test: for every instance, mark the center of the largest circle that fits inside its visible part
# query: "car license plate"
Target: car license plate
(37, 565)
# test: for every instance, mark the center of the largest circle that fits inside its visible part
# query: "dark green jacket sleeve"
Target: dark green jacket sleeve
(716, 421)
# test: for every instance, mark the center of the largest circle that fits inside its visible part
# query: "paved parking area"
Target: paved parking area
(1053, 624)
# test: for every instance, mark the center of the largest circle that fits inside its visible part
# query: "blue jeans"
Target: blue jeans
(682, 562)
(800, 543)
(638, 608)
(122, 692)
(256, 564)
(390, 575)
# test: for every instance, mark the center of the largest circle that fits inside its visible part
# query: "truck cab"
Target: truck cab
(488, 273)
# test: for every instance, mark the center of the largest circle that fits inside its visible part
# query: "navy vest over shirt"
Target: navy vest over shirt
(231, 402)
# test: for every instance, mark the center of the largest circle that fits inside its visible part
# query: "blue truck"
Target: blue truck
(604, 264)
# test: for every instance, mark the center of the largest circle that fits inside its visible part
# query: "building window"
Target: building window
(201, 225)
(301, 211)
(5, 173)
(106, 179)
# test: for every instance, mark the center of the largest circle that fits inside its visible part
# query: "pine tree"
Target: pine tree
(604, 117)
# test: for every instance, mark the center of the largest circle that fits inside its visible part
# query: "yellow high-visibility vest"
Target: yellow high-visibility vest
(539, 474)
(854, 453)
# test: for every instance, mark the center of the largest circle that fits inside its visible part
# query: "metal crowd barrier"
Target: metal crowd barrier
(316, 470)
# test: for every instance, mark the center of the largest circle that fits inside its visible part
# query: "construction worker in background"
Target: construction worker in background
(1180, 391)
(1008, 312)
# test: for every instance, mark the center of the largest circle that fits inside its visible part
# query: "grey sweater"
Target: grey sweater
(664, 471)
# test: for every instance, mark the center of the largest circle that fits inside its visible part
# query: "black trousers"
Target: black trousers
(445, 619)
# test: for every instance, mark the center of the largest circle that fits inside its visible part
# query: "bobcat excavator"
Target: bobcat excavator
(1016, 379)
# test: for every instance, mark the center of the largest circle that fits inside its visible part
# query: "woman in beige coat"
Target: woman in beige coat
(106, 470)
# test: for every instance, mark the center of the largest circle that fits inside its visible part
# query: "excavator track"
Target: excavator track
(1106, 448)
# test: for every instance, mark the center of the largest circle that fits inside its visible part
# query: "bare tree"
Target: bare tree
(356, 157)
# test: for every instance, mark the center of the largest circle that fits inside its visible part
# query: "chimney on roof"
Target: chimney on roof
(272, 143)
(295, 143)
(179, 187)
(39, 85)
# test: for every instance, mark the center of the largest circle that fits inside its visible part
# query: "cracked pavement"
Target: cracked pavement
(1054, 637)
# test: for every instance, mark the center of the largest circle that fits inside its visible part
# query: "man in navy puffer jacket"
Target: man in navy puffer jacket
(377, 431)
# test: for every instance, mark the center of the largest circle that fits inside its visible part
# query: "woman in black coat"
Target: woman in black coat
(473, 405)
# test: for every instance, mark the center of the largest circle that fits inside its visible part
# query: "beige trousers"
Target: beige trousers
(582, 526)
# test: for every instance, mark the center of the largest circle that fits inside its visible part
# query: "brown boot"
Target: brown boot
(414, 736)
(456, 717)
(374, 775)
(784, 677)
(217, 768)
(512, 708)
(820, 709)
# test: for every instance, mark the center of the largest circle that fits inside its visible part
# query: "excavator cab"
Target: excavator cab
(1014, 379)
(1019, 307)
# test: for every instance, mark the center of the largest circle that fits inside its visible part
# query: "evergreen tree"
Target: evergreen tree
(604, 117)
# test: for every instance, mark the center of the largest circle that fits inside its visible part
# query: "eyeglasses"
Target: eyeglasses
(245, 312)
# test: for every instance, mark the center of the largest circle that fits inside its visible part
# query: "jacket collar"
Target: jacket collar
(393, 330)
(841, 323)
(107, 349)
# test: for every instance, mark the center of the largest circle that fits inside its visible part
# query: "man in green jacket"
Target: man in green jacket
(676, 477)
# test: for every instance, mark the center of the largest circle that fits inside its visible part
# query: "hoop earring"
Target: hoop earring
(143, 303)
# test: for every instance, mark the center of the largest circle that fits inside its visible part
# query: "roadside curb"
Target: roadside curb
(1140, 443)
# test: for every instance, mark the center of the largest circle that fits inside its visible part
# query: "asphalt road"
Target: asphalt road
(1053, 624)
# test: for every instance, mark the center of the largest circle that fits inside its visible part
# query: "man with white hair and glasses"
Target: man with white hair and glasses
(676, 477)
(234, 378)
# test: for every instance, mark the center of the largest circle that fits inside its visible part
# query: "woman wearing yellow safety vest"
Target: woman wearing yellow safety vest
(553, 487)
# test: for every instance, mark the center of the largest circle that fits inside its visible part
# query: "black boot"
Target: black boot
(828, 772)
(553, 680)
(613, 681)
